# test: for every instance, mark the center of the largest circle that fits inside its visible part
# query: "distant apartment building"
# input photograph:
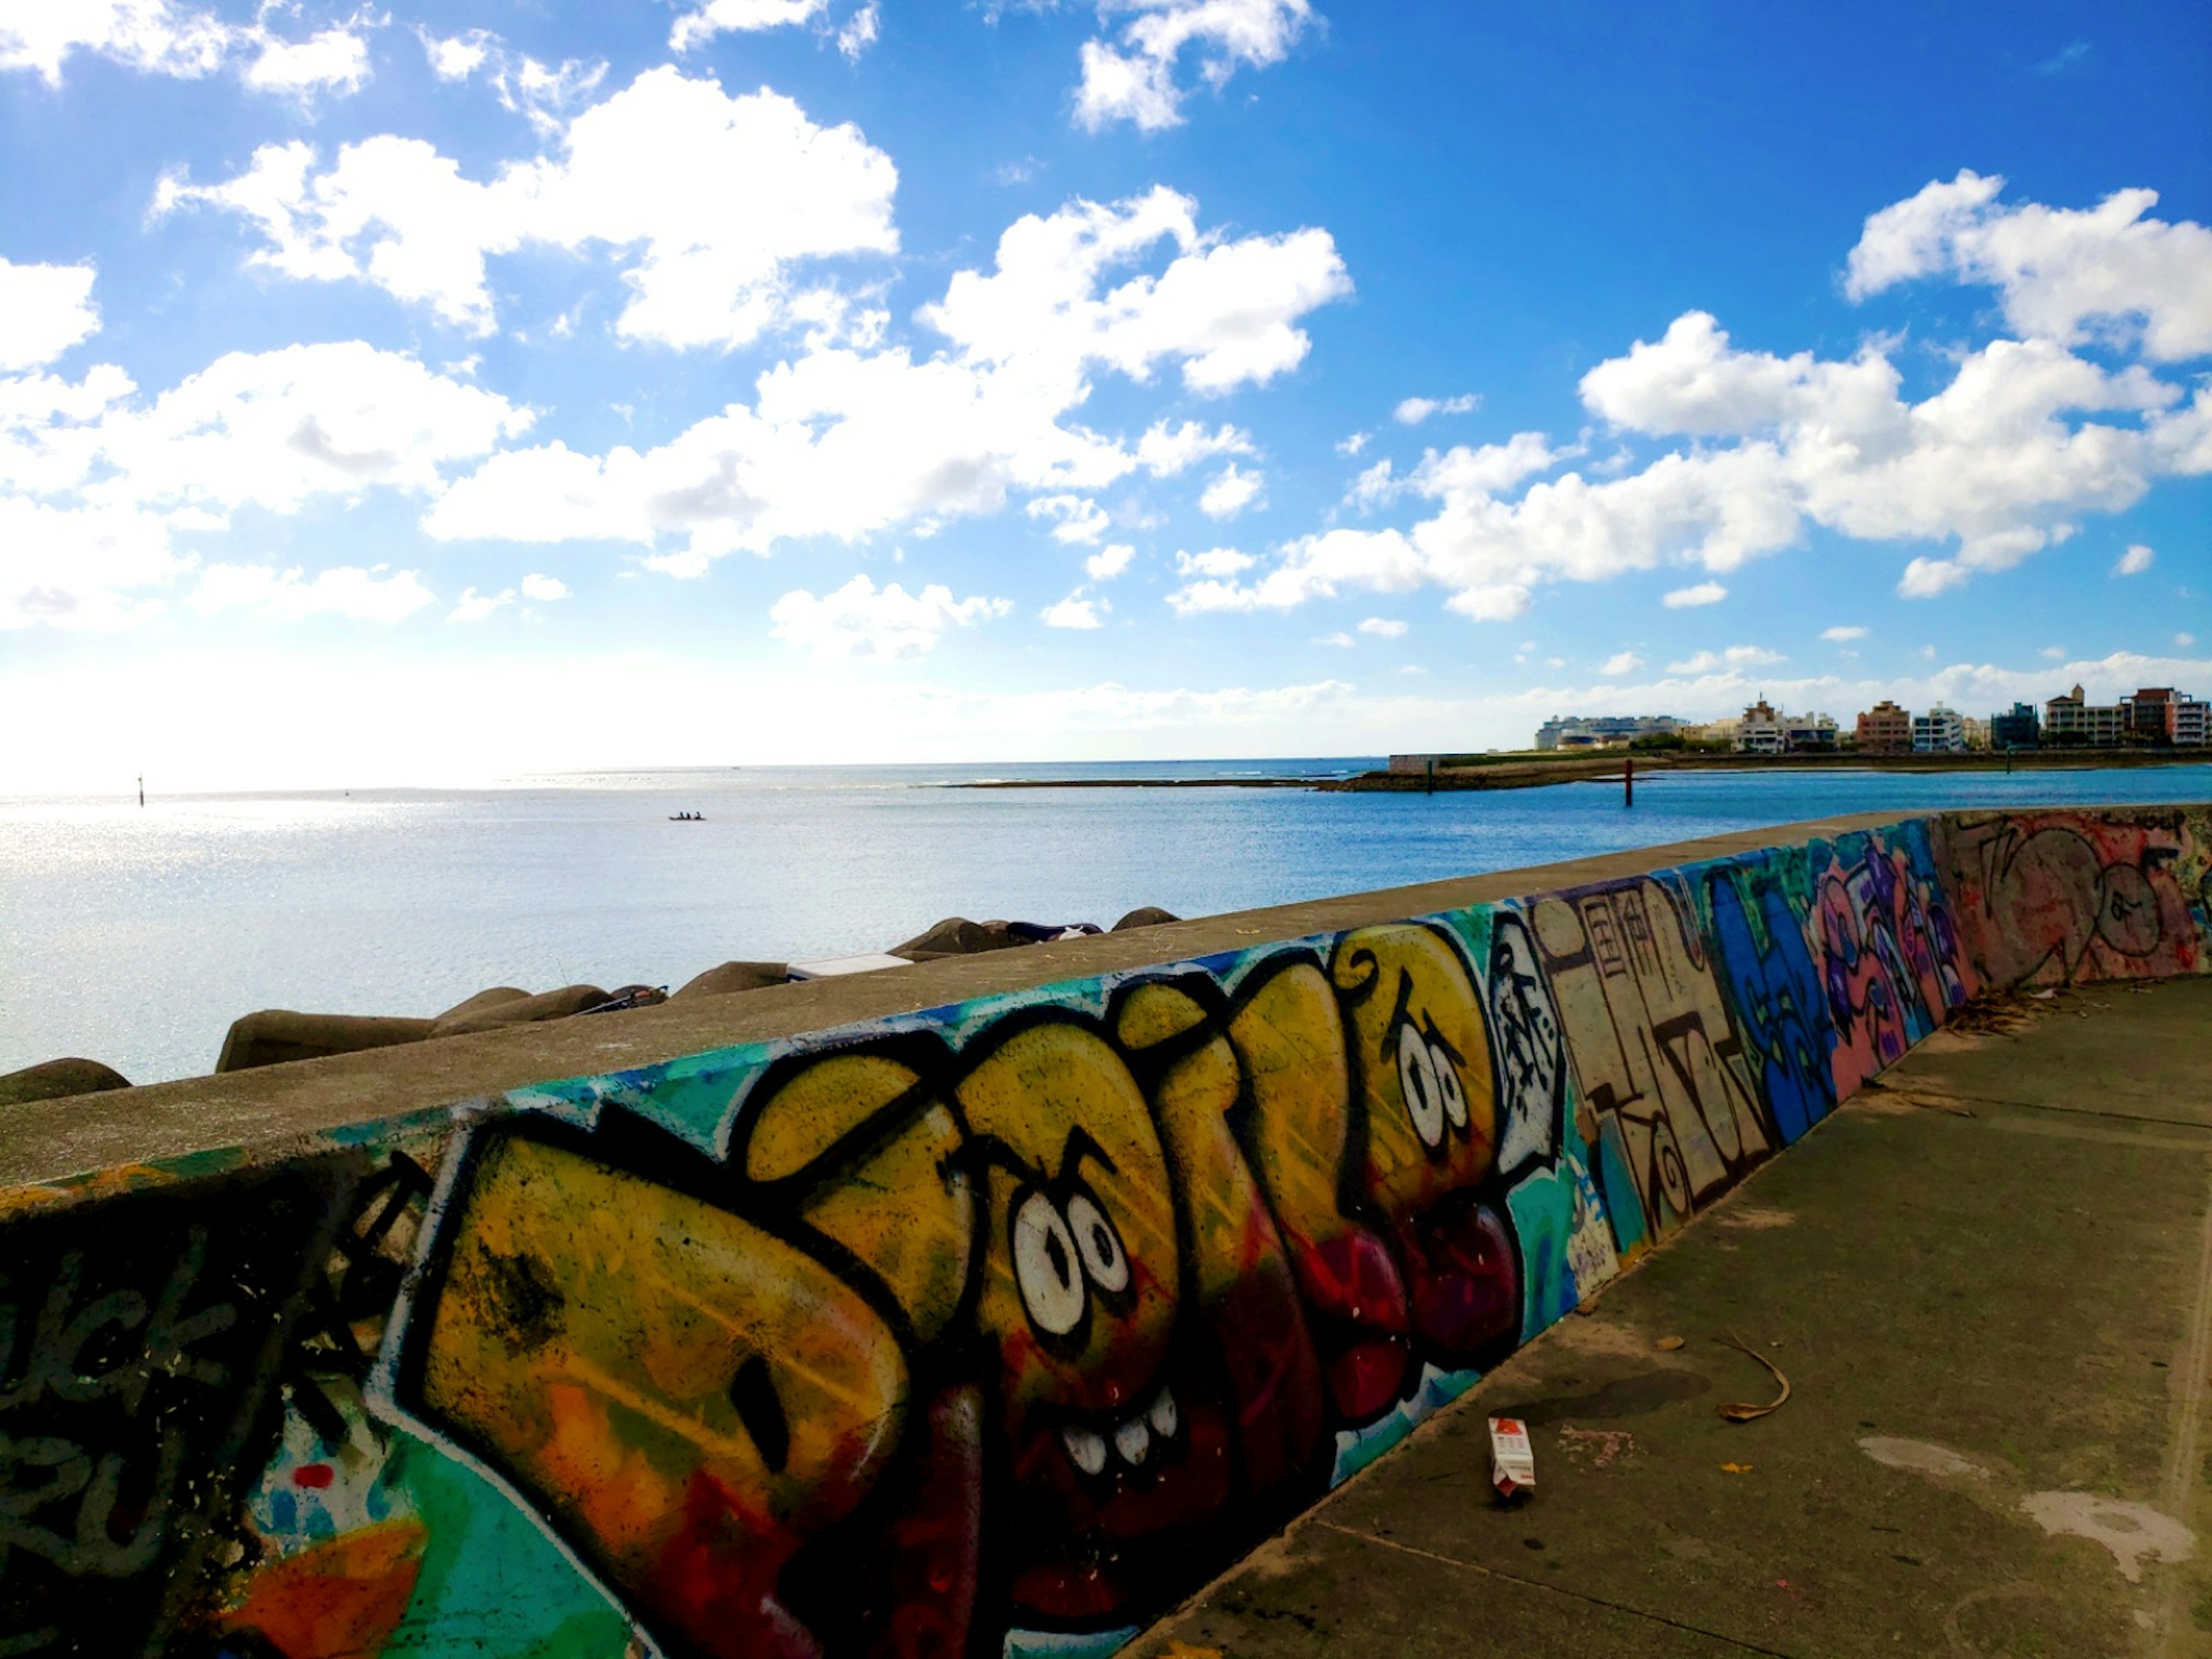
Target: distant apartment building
(1885, 729)
(1976, 731)
(1762, 730)
(2017, 728)
(1601, 731)
(1938, 731)
(2143, 716)
(2190, 723)
(2070, 720)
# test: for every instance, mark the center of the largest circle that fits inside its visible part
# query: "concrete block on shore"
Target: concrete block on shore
(522, 1011)
(490, 999)
(55, 1079)
(1144, 915)
(956, 936)
(271, 1036)
(732, 977)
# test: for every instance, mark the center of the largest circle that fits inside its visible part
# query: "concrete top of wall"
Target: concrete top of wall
(267, 1109)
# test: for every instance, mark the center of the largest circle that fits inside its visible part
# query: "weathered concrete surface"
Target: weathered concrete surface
(270, 1110)
(2006, 1288)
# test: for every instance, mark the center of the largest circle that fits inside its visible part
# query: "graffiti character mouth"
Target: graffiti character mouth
(1120, 1451)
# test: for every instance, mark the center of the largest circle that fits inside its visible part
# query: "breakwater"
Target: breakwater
(986, 1305)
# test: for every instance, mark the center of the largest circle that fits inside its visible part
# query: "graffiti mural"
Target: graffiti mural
(1892, 961)
(2056, 897)
(1658, 1053)
(994, 1328)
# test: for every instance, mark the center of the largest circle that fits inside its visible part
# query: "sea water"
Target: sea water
(135, 935)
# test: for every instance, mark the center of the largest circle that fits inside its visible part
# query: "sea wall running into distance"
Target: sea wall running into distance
(996, 1325)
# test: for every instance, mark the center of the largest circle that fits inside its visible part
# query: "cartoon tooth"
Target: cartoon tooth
(1132, 1440)
(1162, 1416)
(1086, 1449)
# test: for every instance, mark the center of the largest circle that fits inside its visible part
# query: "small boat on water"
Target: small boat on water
(687, 817)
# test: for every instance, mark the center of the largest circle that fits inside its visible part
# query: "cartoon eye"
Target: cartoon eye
(1417, 1081)
(1454, 1093)
(1045, 1267)
(1098, 1244)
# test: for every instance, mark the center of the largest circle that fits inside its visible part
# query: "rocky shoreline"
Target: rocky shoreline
(277, 1037)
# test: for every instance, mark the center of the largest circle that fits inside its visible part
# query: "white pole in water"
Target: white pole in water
(141, 788)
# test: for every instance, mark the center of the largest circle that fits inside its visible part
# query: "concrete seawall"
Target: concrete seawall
(988, 1305)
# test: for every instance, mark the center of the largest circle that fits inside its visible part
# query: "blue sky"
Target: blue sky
(392, 396)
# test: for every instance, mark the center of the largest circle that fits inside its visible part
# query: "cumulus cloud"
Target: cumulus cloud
(98, 482)
(1076, 520)
(545, 96)
(845, 442)
(1108, 562)
(1684, 599)
(378, 593)
(2133, 563)
(2106, 273)
(1621, 662)
(1133, 76)
(473, 607)
(1413, 410)
(544, 588)
(2026, 440)
(1383, 627)
(702, 23)
(155, 36)
(44, 311)
(868, 624)
(1075, 612)
(334, 61)
(1843, 632)
(709, 201)
(1351, 446)
(1736, 656)
(1230, 491)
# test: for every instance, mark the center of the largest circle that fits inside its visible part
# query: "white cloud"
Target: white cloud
(1216, 561)
(2056, 653)
(1843, 632)
(334, 61)
(369, 595)
(1413, 410)
(2184, 640)
(96, 484)
(716, 17)
(1230, 491)
(859, 31)
(1075, 612)
(1078, 519)
(1736, 656)
(1351, 446)
(542, 588)
(1383, 627)
(1132, 76)
(1163, 452)
(155, 36)
(1621, 662)
(709, 202)
(544, 96)
(2026, 440)
(44, 311)
(1684, 599)
(1340, 640)
(846, 442)
(861, 623)
(2133, 563)
(151, 36)
(475, 607)
(2066, 275)
(1108, 562)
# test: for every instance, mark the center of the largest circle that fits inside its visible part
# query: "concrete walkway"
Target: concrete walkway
(1988, 1281)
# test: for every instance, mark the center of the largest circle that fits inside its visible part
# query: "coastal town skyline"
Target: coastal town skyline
(414, 398)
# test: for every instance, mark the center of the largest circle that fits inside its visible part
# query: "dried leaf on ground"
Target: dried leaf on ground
(1738, 1411)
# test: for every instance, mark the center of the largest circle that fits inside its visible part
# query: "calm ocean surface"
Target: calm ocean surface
(135, 937)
